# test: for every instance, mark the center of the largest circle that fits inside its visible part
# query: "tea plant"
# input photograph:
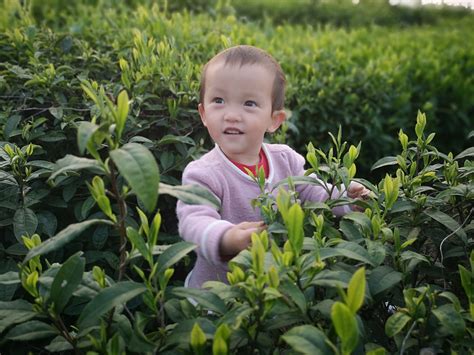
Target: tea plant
(60, 292)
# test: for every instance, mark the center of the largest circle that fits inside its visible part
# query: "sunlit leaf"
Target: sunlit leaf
(139, 168)
(396, 323)
(356, 290)
(345, 325)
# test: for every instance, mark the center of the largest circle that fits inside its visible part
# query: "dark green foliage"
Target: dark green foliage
(98, 119)
(343, 13)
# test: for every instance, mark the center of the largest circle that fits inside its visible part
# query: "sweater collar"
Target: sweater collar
(236, 170)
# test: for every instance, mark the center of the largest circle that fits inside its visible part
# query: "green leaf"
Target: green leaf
(24, 223)
(383, 278)
(411, 255)
(122, 112)
(291, 291)
(47, 223)
(450, 320)
(10, 126)
(31, 330)
(138, 166)
(356, 290)
(58, 344)
(447, 221)
(198, 338)
(349, 250)
(53, 136)
(294, 223)
(65, 236)
(14, 312)
(469, 152)
(219, 347)
(331, 278)
(191, 194)
(220, 343)
(345, 325)
(467, 282)
(396, 323)
(71, 163)
(107, 299)
(85, 132)
(308, 340)
(139, 243)
(359, 218)
(376, 250)
(181, 334)
(350, 231)
(207, 299)
(9, 278)
(299, 180)
(173, 254)
(66, 281)
(386, 161)
(171, 139)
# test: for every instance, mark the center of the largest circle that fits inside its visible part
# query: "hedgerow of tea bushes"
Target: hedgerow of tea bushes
(369, 80)
(344, 13)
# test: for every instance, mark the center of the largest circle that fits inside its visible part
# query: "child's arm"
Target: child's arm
(218, 240)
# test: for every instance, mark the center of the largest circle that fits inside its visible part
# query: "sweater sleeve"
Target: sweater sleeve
(317, 193)
(202, 224)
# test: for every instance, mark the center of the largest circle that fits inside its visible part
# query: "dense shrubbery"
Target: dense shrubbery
(396, 260)
(371, 81)
(343, 13)
(119, 86)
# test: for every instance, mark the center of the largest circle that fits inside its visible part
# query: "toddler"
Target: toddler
(242, 97)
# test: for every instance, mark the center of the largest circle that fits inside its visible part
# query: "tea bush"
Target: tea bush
(395, 277)
(98, 107)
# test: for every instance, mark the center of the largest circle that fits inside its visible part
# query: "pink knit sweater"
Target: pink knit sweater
(205, 226)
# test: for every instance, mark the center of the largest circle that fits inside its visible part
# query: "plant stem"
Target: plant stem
(402, 350)
(58, 322)
(121, 222)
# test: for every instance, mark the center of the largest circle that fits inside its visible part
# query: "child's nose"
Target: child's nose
(232, 116)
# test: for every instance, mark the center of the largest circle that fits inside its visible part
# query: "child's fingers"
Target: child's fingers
(248, 225)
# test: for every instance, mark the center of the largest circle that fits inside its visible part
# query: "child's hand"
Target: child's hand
(359, 192)
(238, 238)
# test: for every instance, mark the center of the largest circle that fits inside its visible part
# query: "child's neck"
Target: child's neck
(249, 160)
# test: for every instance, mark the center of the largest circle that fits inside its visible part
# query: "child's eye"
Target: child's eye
(218, 100)
(250, 103)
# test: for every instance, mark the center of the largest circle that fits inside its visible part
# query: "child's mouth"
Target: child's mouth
(233, 131)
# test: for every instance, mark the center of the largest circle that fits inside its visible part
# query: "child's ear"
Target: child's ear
(277, 119)
(202, 114)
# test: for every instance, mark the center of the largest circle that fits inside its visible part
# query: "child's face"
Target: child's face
(237, 109)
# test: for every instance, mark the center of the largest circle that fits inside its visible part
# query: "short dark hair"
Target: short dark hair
(246, 55)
